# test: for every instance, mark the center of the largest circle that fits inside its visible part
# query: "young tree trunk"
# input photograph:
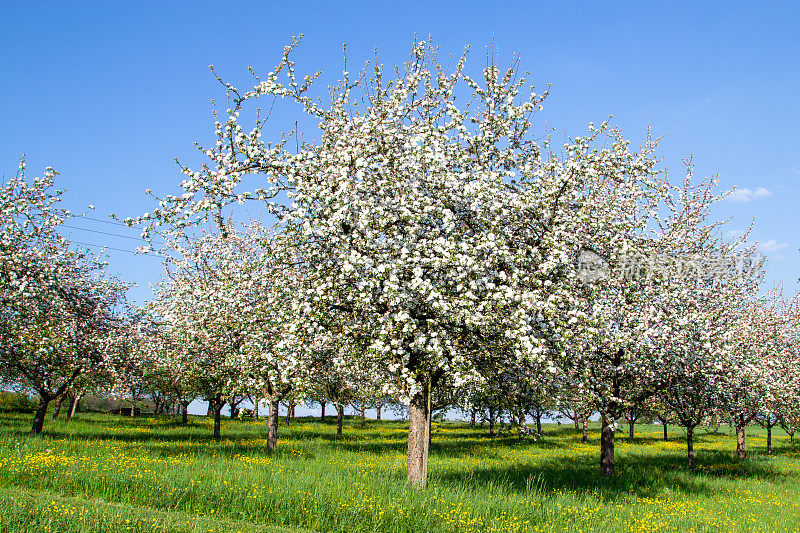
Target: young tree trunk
(339, 419)
(520, 421)
(585, 436)
(664, 424)
(472, 417)
(184, 412)
(38, 418)
(630, 430)
(491, 421)
(690, 445)
(210, 410)
(769, 435)
(791, 440)
(233, 411)
(217, 415)
(74, 406)
(272, 424)
(606, 447)
(57, 409)
(363, 417)
(740, 451)
(255, 408)
(322, 410)
(538, 422)
(418, 439)
(378, 413)
(430, 433)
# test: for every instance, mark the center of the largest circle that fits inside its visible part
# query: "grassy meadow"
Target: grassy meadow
(105, 473)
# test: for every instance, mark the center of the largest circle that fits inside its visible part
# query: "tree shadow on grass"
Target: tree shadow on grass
(642, 475)
(640, 471)
(451, 442)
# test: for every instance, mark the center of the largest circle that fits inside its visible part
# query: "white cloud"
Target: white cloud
(746, 195)
(771, 246)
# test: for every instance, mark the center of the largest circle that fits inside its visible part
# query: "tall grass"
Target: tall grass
(108, 473)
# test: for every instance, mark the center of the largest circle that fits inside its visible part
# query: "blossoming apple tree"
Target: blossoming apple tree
(403, 216)
(229, 305)
(59, 315)
(641, 300)
(204, 305)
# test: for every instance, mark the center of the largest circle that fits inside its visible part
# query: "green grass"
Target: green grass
(105, 473)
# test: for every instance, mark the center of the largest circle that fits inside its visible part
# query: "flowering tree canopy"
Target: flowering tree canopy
(59, 317)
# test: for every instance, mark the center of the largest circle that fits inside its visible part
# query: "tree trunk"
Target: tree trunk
(430, 433)
(38, 418)
(491, 421)
(74, 406)
(217, 415)
(606, 447)
(57, 408)
(378, 413)
(322, 410)
(210, 410)
(666, 437)
(418, 438)
(363, 417)
(740, 451)
(769, 436)
(585, 436)
(630, 430)
(791, 440)
(472, 418)
(184, 412)
(272, 424)
(339, 419)
(576, 421)
(255, 408)
(538, 422)
(520, 421)
(690, 445)
(235, 409)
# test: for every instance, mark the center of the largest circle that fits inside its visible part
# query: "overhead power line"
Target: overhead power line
(112, 222)
(134, 252)
(103, 232)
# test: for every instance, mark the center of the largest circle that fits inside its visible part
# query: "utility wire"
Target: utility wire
(103, 232)
(112, 222)
(134, 252)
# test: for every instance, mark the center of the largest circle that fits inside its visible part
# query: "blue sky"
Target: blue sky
(109, 93)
